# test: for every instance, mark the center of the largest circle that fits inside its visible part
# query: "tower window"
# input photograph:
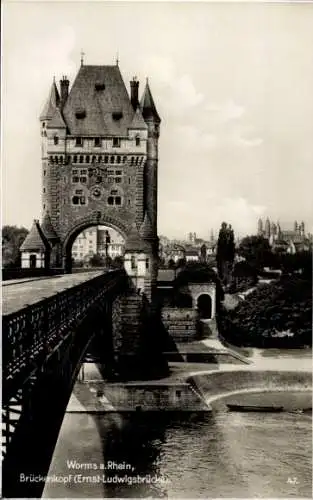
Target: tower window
(137, 141)
(114, 198)
(56, 140)
(116, 142)
(117, 115)
(79, 198)
(97, 142)
(79, 141)
(99, 86)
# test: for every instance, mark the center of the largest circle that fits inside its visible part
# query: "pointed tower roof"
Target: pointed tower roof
(48, 229)
(147, 105)
(35, 240)
(145, 230)
(135, 243)
(56, 120)
(138, 121)
(51, 104)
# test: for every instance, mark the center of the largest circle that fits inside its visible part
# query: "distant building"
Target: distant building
(285, 240)
(93, 241)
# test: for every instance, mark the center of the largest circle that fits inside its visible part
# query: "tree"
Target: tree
(181, 263)
(96, 260)
(171, 264)
(225, 252)
(12, 239)
(257, 252)
(118, 262)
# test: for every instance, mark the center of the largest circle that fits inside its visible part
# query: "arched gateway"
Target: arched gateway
(99, 160)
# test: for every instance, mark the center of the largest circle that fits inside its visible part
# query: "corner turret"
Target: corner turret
(35, 249)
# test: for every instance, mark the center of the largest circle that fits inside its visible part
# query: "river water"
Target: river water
(223, 454)
(191, 455)
(187, 455)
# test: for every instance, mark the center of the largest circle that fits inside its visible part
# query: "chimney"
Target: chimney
(134, 89)
(64, 85)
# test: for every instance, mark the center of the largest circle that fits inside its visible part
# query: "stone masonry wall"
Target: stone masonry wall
(180, 323)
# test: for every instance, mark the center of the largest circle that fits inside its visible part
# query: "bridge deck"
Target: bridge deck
(15, 296)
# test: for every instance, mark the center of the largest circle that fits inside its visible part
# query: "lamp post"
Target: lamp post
(107, 242)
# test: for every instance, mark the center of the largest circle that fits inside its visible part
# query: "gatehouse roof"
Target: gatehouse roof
(35, 240)
(98, 103)
(135, 243)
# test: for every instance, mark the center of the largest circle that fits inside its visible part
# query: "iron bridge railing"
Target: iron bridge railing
(30, 334)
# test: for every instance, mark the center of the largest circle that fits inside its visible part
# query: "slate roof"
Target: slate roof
(51, 104)
(35, 240)
(56, 120)
(145, 230)
(135, 243)
(147, 105)
(48, 229)
(138, 121)
(98, 105)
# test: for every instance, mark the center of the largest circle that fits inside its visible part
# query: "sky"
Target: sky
(232, 82)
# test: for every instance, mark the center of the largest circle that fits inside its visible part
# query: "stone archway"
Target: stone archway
(95, 219)
(204, 306)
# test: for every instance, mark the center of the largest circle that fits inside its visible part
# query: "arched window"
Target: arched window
(133, 262)
(81, 159)
(124, 159)
(56, 159)
(118, 159)
(56, 140)
(100, 159)
(61, 159)
(74, 159)
(87, 159)
(112, 159)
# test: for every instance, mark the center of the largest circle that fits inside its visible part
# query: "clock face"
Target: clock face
(96, 192)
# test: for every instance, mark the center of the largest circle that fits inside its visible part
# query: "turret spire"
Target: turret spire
(52, 102)
(147, 105)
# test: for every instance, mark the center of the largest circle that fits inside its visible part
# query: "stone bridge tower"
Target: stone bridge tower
(99, 159)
